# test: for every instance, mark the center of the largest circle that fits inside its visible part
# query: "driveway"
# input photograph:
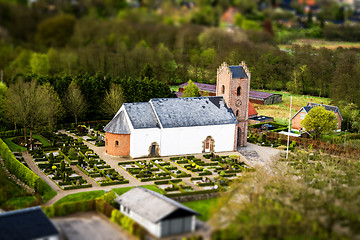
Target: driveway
(258, 155)
(89, 225)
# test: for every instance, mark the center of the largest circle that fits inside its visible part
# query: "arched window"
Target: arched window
(116, 143)
(238, 91)
(223, 89)
(237, 112)
(106, 141)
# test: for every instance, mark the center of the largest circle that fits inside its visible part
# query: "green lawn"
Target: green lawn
(122, 190)
(81, 196)
(48, 192)
(20, 202)
(280, 111)
(203, 207)
(15, 148)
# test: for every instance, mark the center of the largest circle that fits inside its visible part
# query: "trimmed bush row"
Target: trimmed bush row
(15, 167)
(191, 193)
(114, 183)
(78, 187)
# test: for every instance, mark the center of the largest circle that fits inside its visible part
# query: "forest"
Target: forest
(144, 46)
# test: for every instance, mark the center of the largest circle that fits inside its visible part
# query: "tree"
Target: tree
(191, 90)
(320, 121)
(31, 105)
(39, 63)
(56, 31)
(74, 101)
(112, 101)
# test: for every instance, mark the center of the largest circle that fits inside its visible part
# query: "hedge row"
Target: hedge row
(191, 193)
(78, 187)
(114, 183)
(15, 167)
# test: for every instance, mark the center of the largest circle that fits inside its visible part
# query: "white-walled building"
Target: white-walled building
(177, 126)
(160, 215)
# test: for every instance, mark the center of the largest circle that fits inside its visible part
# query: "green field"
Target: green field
(204, 207)
(319, 43)
(81, 196)
(16, 148)
(280, 111)
(122, 190)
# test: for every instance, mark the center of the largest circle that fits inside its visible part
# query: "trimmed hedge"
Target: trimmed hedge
(78, 187)
(114, 183)
(191, 193)
(15, 167)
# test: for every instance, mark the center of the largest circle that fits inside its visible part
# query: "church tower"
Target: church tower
(233, 84)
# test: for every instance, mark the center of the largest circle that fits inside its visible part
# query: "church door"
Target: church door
(152, 151)
(239, 137)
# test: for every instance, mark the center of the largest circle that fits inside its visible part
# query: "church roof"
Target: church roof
(238, 72)
(173, 112)
(141, 115)
(118, 124)
(193, 111)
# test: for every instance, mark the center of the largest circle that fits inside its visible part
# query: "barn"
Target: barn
(160, 215)
(177, 126)
(26, 224)
(264, 98)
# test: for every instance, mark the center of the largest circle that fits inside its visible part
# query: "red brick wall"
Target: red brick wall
(123, 148)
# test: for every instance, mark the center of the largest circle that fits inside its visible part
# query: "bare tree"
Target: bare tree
(75, 101)
(112, 100)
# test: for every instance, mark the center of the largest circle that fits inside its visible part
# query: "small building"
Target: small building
(27, 224)
(204, 89)
(260, 119)
(300, 115)
(264, 98)
(159, 215)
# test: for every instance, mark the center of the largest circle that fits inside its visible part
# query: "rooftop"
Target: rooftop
(151, 205)
(26, 224)
(261, 95)
(238, 72)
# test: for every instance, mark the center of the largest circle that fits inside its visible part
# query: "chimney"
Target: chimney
(310, 104)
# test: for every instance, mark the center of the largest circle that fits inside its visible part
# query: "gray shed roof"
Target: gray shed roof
(141, 115)
(238, 72)
(151, 205)
(118, 124)
(309, 106)
(193, 111)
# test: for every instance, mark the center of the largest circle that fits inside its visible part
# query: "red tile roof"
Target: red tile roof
(252, 110)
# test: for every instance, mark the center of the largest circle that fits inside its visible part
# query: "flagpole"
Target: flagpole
(288, 139)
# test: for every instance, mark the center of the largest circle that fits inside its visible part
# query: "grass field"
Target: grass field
(319, 43)
(280, 111)
(95, 194)
(203, 207)
(15, 148)
(80, 196)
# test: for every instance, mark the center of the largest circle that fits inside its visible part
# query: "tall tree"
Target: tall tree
(31, 105)
(112, 101)
(191, 90)
(320, 121)
(75, 101)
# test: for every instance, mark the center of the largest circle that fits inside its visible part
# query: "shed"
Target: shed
(160, 215)
(264, 98)
(26, 224)
(260, 119)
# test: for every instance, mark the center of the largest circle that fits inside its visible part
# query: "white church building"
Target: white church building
(177, 126)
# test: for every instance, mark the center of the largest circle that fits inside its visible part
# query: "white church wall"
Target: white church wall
(141, 140)
(189, 140)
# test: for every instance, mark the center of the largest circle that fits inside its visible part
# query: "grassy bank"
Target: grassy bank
(203, 207)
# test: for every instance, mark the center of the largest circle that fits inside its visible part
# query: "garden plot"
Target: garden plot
(173, 186)
(55, 167)
(196, 166)
(146, 171)
(99, 170)
(172, 169)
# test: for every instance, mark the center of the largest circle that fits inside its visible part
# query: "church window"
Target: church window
(223, 89)
(237, 112)
(238, 91)
(116, 143)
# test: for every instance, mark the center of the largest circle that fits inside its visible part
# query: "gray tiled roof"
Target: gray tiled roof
(150, 205)
(238, 72)
(141, 115)
(194, 111)
(118, 124)
(334, 109)
(26, 224)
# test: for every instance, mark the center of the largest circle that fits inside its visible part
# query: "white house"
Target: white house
(160, 215)
(27, 224)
